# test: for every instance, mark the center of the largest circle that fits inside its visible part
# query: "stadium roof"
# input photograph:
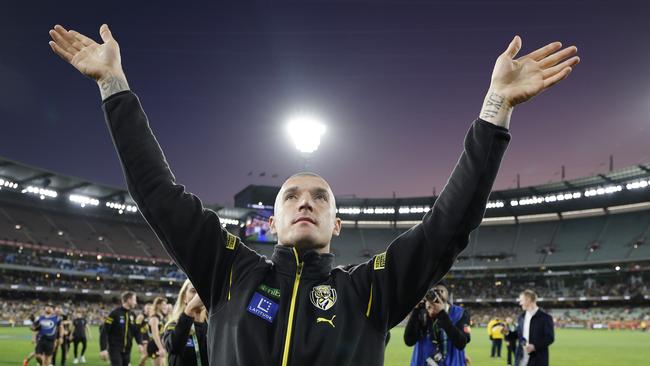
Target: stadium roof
(263, 196)
(25, 175)
(613, 177)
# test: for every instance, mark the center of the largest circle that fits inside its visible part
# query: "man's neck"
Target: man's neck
(532, 308)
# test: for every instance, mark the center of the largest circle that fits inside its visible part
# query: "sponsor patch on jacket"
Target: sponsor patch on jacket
(270, 291)
(380, 261)
(190, 342)
(263, 307)
(323, 296)
(231, 241)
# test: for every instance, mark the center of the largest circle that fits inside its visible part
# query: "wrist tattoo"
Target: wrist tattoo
(493, 105)
(111, 85)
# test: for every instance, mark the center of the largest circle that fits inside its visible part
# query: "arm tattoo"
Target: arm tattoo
(492, 106)
(111, 85)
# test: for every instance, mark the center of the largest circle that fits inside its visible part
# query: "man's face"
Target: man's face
(132, 302)
(58, 310)
(48, 310)
(524, 302)
(305, 214)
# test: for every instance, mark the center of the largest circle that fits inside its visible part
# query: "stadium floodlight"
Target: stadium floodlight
(494, 204)
(120, 207)
(83, 200)
(41, 192)
(227, 221)
(349, 210)
(637, 184)
(6, 183)
(603, 190)
(306, 132)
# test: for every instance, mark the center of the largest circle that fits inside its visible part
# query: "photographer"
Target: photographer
(438, 329)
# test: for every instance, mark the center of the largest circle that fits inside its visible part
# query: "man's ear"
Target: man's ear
(272, 224)
(337, 227)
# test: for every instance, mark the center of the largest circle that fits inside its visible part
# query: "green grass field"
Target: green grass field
(572, 347)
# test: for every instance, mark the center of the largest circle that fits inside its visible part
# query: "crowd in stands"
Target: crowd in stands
(632, 285)
(90, 265)
(70, 282)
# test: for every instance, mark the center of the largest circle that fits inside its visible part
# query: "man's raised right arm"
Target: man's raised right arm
(191, 234)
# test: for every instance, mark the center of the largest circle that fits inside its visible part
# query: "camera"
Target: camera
(433, 295)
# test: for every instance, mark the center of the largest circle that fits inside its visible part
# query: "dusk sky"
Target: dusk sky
(397, 83)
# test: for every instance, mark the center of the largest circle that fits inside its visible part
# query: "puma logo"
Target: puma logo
(329, 321)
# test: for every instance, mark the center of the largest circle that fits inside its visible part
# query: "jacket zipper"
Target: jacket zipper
(292, 308)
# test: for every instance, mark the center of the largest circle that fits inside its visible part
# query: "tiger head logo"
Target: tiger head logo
(323, 297)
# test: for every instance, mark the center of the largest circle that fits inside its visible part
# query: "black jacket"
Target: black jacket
(118, 330)
(296, 309)
(541, 336)
(180, 345)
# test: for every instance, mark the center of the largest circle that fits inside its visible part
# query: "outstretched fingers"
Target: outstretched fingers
(540, 53)
(66, 37)
(61, 52)
(557, 78)
(85, 41)
(549, 72)
(557, 57)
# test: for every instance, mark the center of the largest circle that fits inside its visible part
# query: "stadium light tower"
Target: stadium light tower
(305, 131)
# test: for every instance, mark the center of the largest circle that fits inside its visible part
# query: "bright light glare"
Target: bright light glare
(305, 131)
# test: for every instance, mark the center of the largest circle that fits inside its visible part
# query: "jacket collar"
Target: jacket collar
(315, 265)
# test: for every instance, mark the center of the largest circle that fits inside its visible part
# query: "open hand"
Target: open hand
(89, 57)
(519, 80)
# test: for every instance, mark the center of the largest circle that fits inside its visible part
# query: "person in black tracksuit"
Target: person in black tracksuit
(510, 332)
(186, 332)
(80, 336)
(142, 321)
(155, 347)
(118, 331)
(66, 338)
(296, 308)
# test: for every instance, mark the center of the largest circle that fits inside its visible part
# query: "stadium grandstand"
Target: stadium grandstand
(582, 244)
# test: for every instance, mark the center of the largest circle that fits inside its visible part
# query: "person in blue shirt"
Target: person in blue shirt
(48, 326)
(438, 329)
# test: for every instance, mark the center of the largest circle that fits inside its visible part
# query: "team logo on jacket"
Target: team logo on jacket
(323, 296)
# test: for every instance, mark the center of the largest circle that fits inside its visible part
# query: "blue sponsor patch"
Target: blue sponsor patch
(261, 306)
(190, 343)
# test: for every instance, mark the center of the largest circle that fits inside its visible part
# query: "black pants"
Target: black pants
(64, 346)
(76, 342)
(511, 353)
(496, 347)
(119, 358)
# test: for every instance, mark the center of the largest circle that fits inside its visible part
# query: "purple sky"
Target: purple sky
(398, 83)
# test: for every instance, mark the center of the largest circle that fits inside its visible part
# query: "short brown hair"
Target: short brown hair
(530, 294)
(126, 295)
